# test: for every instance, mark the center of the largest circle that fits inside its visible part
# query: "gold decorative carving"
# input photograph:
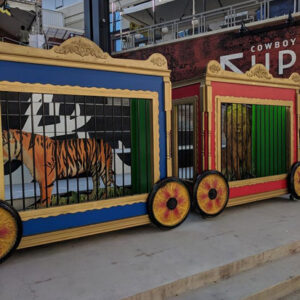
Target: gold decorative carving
(214, 67)
(259, 71)
(158, 60)
(80, 46)
(295, 77)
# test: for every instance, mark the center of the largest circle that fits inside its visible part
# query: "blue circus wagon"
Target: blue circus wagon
(90, 144)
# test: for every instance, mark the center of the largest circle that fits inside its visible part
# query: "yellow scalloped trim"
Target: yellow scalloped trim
(258, 73)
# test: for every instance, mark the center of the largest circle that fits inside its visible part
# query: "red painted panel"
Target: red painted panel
(258, 188)
(186, 91)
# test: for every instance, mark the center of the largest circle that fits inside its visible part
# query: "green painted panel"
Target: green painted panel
(272, 160)
(268, 144)
(269, 140)
(254, 139)
(276, 138)
(140, 146)
(284, 143)
(258, 141)
(279, 145)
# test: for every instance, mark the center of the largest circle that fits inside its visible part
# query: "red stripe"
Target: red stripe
(258, 188)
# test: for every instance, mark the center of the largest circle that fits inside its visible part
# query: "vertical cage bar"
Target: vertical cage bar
(77, 153)
(22, 161)
(98, 168)
(55, 153)
(179, 140)
(232, 144)
(114, 146)
(243, 145)
(184, 141)
(9, 155)
(66, 149)
(104, 134)
(139, 147)
(45, 154)
(33, 151)
(190, 141)
(122, 139)
(226, 138)
(247, 171)
(86, 151)
(237, 143)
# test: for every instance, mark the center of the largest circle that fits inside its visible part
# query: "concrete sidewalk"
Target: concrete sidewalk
(121, 264)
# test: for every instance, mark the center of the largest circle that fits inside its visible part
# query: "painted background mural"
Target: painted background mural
(73, 148)
(276, 47)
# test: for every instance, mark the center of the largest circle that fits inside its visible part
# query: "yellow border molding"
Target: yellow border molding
(100, 92)
(72, 233)
(168, 108)
(243, 100)
(257, 75)
(79, 52)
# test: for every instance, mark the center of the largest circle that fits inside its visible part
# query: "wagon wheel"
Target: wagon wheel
(211, 193)
(11, 230)
(294, 181)
(169, 203)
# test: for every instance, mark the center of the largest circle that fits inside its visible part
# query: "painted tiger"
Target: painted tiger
(48, 159)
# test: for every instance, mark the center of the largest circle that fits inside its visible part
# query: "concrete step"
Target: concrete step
(272, 280)
(146, 263)
(293, 296)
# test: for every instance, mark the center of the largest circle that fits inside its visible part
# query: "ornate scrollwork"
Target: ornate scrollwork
(80, 46)
(158, 60)
(214, 67)
(259, 71)
(295, 77)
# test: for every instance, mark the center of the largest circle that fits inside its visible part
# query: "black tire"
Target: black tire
(11, 230)
(173, 202)
(212, 193)
(294, 182)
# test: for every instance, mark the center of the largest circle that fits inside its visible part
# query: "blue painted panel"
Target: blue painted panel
(43, 225)
(35, 73)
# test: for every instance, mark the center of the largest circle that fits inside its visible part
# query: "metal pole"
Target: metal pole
(193, 17)
(121, 30)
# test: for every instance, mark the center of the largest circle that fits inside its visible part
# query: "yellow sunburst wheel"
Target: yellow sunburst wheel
(10, 230)
(294, 181)
(211, 193)
(169, 203)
